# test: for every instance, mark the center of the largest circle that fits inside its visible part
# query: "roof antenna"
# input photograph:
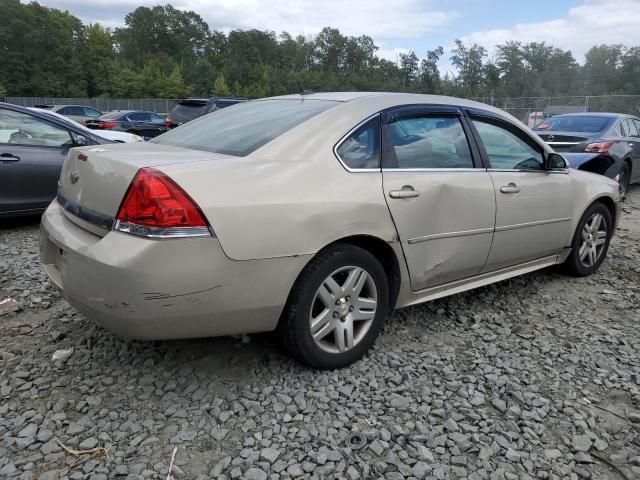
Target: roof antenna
(302, 90)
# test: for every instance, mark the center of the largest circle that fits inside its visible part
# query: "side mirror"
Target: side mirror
(556, 161)
(80, 140)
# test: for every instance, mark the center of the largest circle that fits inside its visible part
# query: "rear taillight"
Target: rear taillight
(107, 125)
(598, 147)
(168, 122)
(155, 206)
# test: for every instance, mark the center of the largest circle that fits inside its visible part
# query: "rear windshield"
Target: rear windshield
(188, 110)
(112, 115)
(243, 128)
(577, 123)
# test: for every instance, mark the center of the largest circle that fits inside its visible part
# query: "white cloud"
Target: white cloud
(379, 19)
(592, 23)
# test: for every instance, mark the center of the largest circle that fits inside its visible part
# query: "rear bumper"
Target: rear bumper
(160, 289)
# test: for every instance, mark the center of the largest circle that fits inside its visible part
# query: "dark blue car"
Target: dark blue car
(145, 124)
(604, 143)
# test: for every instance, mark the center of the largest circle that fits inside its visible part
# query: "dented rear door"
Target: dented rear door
(441, 198)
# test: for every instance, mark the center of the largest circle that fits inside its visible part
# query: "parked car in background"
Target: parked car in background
(119, 137)
(145, 124)
(315, 215)
(611, 140)
(77, 113)
(33, 146)
(190, 108)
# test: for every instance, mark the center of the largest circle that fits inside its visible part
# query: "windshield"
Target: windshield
(242, 128)
(575, 123)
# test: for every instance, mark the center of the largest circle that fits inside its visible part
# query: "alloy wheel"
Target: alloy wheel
(343, 309)
(594, 237)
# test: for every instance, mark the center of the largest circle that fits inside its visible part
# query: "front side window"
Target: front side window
(621, 130)
(507, 150)
(245, 127)
(430, 142)
(21, 129)
(361, 149)
(637, 124)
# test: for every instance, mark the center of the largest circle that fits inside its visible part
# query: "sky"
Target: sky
(402, 25)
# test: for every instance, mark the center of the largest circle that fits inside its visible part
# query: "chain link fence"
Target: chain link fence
(534, 109)
(529, 110)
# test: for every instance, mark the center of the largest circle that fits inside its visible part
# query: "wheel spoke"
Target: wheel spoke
(329, 291)
(601, 238)
(584, 250)
(585, 232)
(345, 336)
(323, 331)
(354, 282)
(321, 321)
(597, 220)
(365, 303)
(359, 315)
(592, 255)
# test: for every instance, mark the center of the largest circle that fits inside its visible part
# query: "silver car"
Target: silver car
(315, 215)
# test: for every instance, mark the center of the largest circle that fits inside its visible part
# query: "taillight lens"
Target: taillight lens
(107, 125)
(168, 122)
(155, 206)
(598, 147)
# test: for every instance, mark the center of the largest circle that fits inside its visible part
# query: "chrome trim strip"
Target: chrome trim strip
(462, 233)
(484, 170)
(507, 170)
(531, 224)
(344, 138)
(155, 232)
(95, 218)
(564, 143)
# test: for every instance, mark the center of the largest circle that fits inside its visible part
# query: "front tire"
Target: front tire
(590, 241)
(336, 308)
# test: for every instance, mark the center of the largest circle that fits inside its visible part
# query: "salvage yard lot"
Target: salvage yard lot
(535, 377)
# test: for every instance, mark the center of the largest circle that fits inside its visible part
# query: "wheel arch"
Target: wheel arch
(377, 247)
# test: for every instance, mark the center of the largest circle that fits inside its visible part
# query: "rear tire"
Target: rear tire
(590, 241)
(336, 308)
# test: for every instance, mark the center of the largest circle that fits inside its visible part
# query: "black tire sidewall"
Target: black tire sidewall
(574, 264)
(311, 279)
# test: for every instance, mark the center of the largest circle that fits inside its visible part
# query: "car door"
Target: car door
(533, 204)
(32, 151)
(440, 196)
(633, 139)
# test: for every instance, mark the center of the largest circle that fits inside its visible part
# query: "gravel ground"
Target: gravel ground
(535, 377)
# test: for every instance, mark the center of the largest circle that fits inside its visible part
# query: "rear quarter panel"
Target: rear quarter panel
(262, 208)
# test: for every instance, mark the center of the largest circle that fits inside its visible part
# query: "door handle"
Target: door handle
(8, 158)
(511, 188)
(406, 192)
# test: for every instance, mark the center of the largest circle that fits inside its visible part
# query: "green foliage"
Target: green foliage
(3, 91)
(165, 52)
(220, 87)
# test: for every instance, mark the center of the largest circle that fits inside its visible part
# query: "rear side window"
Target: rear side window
(506, 150)
(244, 128)
(575, 123)
(361, 149)
(631, 128)
(430, 142)
(91, 112)
(637, 124)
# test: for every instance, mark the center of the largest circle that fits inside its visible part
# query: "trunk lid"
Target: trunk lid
(95, 179)
(563, 141)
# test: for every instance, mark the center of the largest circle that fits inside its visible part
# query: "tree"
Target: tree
(3, 91)
(220, 87)
(409, 67)
(469, 62)
(97, 59)
(429, 72)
